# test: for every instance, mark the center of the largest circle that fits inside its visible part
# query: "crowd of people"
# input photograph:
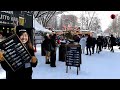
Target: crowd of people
(93, 44)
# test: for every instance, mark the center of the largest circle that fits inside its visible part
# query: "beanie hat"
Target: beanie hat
(20, 30)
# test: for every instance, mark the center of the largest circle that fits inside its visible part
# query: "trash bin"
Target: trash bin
(42, 50)
(62, 51)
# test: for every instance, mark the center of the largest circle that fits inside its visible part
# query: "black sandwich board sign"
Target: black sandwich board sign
(15, 53)
(73, 56)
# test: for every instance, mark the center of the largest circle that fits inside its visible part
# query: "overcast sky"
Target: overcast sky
(104, 16)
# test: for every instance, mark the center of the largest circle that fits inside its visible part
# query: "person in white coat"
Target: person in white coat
(83, 43)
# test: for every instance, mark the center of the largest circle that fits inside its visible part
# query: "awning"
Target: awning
(39, 27)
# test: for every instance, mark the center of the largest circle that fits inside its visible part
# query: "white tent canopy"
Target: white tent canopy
(39, 27)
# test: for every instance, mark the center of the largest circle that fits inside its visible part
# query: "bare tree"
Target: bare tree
(86, 19)
(69, 21)
(114, 27)
(43, 17)
(95, 25)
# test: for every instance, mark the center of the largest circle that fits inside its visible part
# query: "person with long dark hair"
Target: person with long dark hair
(24, 72)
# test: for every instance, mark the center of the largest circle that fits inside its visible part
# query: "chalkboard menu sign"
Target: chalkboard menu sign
(73, 56)
(15, 53)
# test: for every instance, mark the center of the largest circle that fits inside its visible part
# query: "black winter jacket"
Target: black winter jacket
(47, 44)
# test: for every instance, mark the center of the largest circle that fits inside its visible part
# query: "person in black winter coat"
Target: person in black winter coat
(99, 44)
(93, 44)
(25, 72)
(88, 44)
(47, 48)
(53, 51)
(113, 43)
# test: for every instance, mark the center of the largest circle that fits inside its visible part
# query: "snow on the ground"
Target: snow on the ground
(2, 73)
(105, 65)
(98, 66)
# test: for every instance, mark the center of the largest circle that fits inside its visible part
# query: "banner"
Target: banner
(7, 17)
(16, 18)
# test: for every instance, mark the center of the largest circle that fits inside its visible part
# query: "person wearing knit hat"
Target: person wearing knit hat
(21, 31)
(24, 72)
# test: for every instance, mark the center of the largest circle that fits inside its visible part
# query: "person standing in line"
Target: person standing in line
(99, 45)
(53, 51)
(88, 44)
(83, 44)
(105, 42)
(108, 43)
(113, 43)
(47, 48)
(93, 44)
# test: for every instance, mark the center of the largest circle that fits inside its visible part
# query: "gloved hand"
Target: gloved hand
(1, 56)
(34, 59)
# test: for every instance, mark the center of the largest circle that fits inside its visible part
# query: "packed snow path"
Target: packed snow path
(105, 65)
